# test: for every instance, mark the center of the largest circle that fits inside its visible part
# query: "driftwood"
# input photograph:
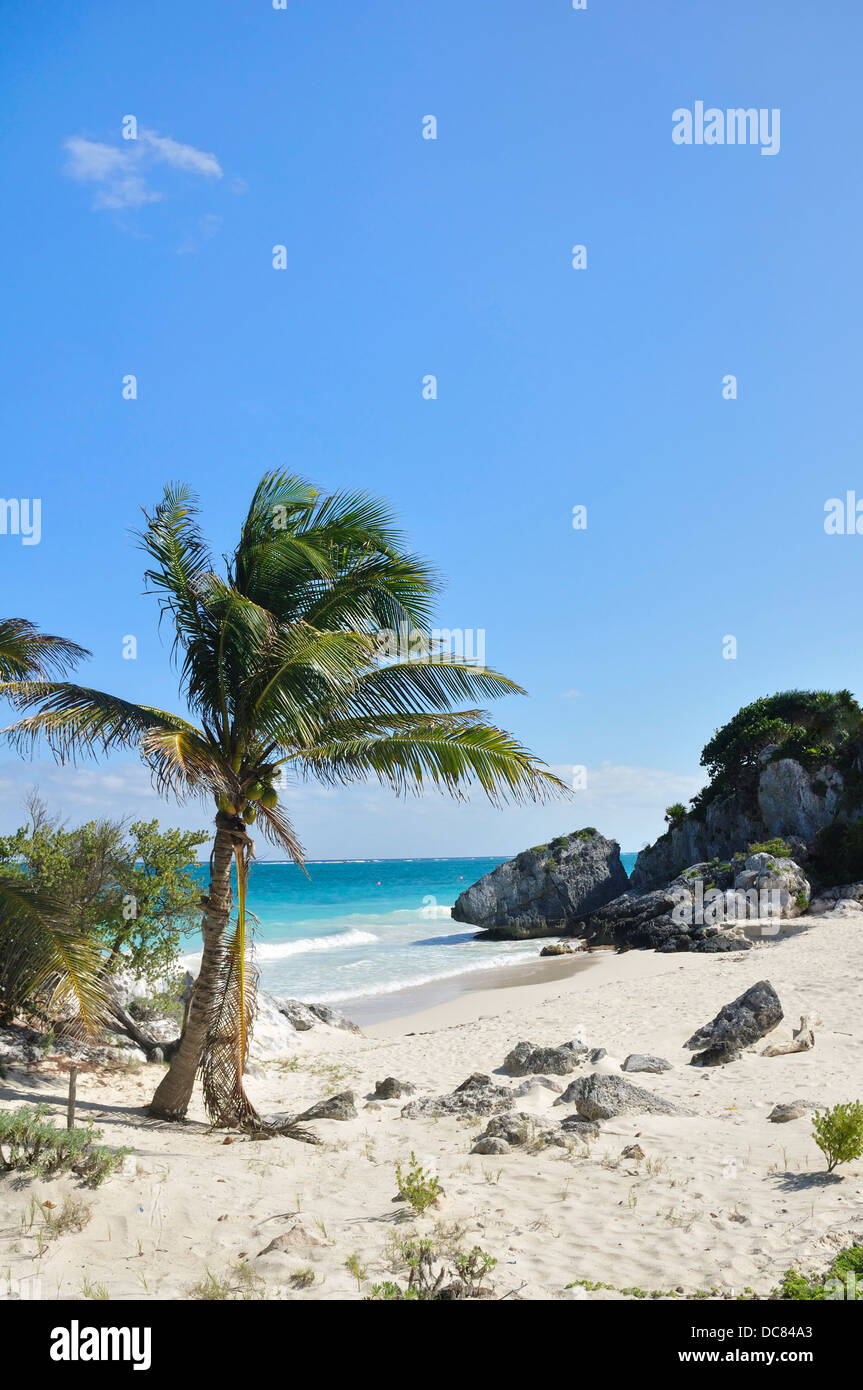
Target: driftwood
(147, 1043)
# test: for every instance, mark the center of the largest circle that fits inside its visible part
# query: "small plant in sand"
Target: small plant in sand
(461, 1279)
(29, 1142)
(839, 1133)
(238, 1285)
(419, 1188)
(73, 1215)
(843, 1279)
(355, 1266)
(302, 1278)
(96, 1292)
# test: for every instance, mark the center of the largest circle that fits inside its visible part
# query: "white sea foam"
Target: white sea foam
(281, 950)
(337, 941)
(392, 986)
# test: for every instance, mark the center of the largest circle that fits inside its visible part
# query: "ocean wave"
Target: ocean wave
(338, 941)
(393, 986)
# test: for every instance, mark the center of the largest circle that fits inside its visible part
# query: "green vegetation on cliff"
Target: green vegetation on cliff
(813, 727)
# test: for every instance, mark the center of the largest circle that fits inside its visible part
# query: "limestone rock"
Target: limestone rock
(476, 1096)
(602, 1097)
(829, 900)
(340, 1107)
(577, 1127)
(671, 918)
(739, 1024)
(534, 1084)
(392, 1089)
(487, 1144)
(527, 1058)
(789, 802)
(545, 889)
(777, 883)
(792, 1110)
(640, 1061)
(300, 1233)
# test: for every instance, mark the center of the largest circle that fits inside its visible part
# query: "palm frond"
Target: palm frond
(173, 539)
(44, 961)
(73, 719)
(407, 685)
(279, 831)
(449, 756)
(184, 762)
(26, 653)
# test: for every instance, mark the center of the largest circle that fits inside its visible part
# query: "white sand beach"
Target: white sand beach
(723, 1198)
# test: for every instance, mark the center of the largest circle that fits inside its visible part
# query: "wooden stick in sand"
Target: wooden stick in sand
(70, 1108)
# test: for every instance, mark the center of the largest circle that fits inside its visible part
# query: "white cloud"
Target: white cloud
(169, 151)
(120, 172)
(367, 821)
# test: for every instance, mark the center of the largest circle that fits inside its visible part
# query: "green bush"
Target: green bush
(839, 1133)
(417, 1187)
(676, 814)
(811, 725)
(780, 848)
(820, 1287)
(29, 1142)
(465, 1273)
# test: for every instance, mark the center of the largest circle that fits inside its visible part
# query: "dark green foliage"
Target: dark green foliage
(675, 815)
(124, 897)
(133, 889)
(837, 856)
(30, 1143)
(779, 848)
(809, 725)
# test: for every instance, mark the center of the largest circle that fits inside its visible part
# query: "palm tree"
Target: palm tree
(280, 666)
(42, 958)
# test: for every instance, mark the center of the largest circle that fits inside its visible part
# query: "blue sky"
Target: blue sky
(406, 257)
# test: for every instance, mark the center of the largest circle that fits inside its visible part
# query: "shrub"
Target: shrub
(417, 1187)
(676, 814)
(465, 1274)
(815, 725)
(839, 1133)
(30, 1142)
(838, 852)
(819, 1287)
(780, 848)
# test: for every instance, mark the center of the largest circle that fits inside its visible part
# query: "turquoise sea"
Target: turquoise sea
(365, 929)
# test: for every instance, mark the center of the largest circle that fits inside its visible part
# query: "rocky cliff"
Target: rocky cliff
(789, 801)
(544, 889)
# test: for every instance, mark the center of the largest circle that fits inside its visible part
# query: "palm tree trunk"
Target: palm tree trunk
(174, 1092)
